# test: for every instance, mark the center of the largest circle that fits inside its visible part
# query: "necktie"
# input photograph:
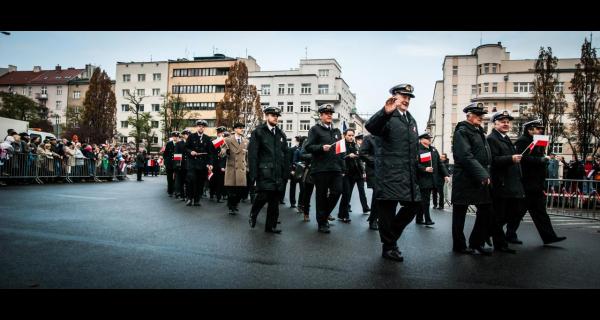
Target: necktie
(239, 141)
(273, 130)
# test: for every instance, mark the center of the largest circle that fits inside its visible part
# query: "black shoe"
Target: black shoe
(281, 202)
(236, 209)
(514, 240)
(555, 239)
(393, 254)
(488, 241)
(482, 251)
(188, 203)
(330, 218)
(273, 230)
(373, 225)
(278, 222)
(292, 206)
(366, 211)
(232, 211)
(252, 220)
(419, 222)
(464, 251)
(324, 229)
(506, 250)
(429, 223)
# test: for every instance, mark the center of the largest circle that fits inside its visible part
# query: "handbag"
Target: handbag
(299, 171)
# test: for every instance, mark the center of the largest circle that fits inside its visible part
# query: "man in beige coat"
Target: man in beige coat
(236, 148)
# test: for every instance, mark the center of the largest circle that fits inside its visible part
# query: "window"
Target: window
(495, 107)
(480, 69)
(454, 90)
(44, 90)
(453, 108)
(156, 107)
(265, 89)
(494, 87)
(126, 93)
(454, 70)
(154, 124)
(281, 89)
(474, 89)
(288, 125)
(559, 87)
(123, 139)
(522, 107)
(141, 92)
(29, 91)
(124, 124)
(290, 107)
(290, 88)
(486, 86)
(486, 68)
(156, 92)
(125, 107)
(523, 87)
(557, 148)
(479, 88)
(76, 94)
(304, 107)
(304, 125)
(156, 76)
(200, 106)
(58, 105)
(141, 77)
(323, 72)
(280, 124)
(305, 89)
(155, 139)
(323, 89)
(494, 67)
(264, 105)
(126, 77)
(58, 90)
(141, 108)
(280, 106)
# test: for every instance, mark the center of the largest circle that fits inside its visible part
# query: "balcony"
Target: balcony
(41, 96)
(501, 96)
(332, 97)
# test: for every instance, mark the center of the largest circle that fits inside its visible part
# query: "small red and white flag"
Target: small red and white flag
(210, 174)
(425, 157)
(218, 142)
(540, 140)
(150, 163)
(340, 146)
(177, 156)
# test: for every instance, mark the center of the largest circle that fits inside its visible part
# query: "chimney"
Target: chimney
(58, 68)
(500, 43)
(37, 68)
(12, 68)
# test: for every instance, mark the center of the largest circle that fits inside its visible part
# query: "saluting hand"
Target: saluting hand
(390, 105)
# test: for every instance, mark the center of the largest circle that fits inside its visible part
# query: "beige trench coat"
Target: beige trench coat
(237, 162)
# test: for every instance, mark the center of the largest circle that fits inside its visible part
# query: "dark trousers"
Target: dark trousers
(272, 197)
(293, 183)
(329, 189)
(481, 229)
(146, 170)
(425, 203)
(306, 191)
(374, 210)
(536, 205)
(180, 182)
(170, 180)
(217, 183)
(392, 223)
(282, 196)
(234, 195)
(196, 179)
(438, 193)
(348, 186)
(505, 210)
(140, 170)
(155, 171)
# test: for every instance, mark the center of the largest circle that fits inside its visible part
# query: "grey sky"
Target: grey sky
(372, 62)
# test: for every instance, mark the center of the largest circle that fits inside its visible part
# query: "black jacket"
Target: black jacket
(396, 156)
(472, 161)
(168, 154)
(506, 175)
(180, 149)
(204, 146)
(533, 165)
(367, 155)
(435, 179)
(268, 159)
(353, 165)
(323, 161)
(140, 159)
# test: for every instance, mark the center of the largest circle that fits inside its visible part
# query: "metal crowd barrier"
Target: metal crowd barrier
(580, 198)
(41, 168)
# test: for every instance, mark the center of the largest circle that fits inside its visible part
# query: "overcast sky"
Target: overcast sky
(372, 62)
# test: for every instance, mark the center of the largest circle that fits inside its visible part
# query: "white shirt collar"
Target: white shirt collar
(270, 127)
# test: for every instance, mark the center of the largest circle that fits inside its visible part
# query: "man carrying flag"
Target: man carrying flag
(431, 174)
(217, 181)
(201, 155)
(533, 164)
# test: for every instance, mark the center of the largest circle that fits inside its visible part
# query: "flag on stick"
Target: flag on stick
(177, 156)
(340, 146)
(425, 157)
(218, 142)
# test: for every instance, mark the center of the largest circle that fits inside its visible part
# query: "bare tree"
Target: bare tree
(173, 113)
(140, 120)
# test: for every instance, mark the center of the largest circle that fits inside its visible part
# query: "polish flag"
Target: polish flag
(218, 142)
(540, 140)
(177, 156)
(340, 146)
(425, 157)
(150, 163)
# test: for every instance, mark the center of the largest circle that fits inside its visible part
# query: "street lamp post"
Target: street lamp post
(57, 123)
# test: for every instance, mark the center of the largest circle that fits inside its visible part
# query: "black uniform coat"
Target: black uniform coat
(268, 159)
(367, 154)
(323, 161)
(533, 164)
(168, 155)
(180, 148)
(396, 156)
(204, 146)
(506, 175)
(435, 179)
(353, 165)
(472, 161)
